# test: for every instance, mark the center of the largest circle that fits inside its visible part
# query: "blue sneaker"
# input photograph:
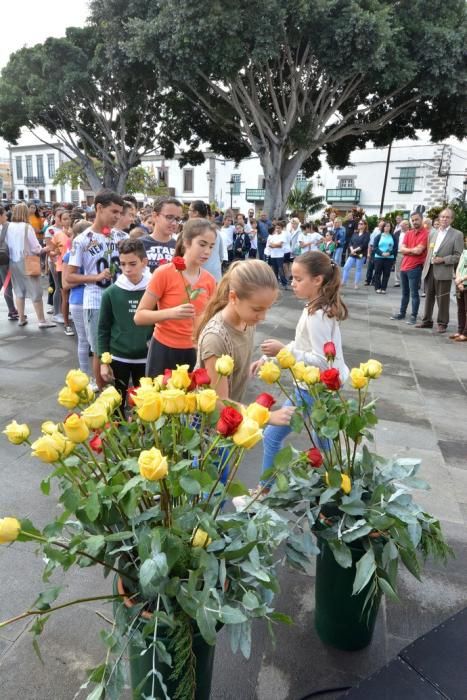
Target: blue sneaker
(412, 321)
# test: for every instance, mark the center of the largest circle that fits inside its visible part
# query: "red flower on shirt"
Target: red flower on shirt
(105, 231)
(331, 378)
(163, 261)
(179, 263)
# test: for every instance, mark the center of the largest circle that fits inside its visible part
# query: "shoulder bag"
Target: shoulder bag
(32, 263)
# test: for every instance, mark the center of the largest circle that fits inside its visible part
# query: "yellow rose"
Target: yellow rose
(158, 382)
(200, 539)
(258, 413)
(297, 370)
(206, 400)
(96, 415)
(311, 375)
(173, 401)
(50, 290)
(76, 380)
(106, 358)
(248, 433)
(151, 407)
(357, 378)
(179, 378)
(152, 464)
(146, 382)
(285, 358)
(49, 427)
(269, 372)
(112, 394)
(75, 428)
(372, 369)
(346, 484)
(17, 433)
(224, 365)
(63, 445)
(106, 402)
(89, 395)
(45, 449)
(9, 530)
(142, 393)
(68, 398)
(190, 403)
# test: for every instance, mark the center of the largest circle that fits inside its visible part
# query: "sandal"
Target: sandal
(454, 336)
(461, 339)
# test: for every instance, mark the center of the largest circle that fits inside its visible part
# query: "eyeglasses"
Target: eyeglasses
(172, 219)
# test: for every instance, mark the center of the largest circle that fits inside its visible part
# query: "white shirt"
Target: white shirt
(441, 235)
(15, 240)
(275, 238)
(227, 236)
(310, 238)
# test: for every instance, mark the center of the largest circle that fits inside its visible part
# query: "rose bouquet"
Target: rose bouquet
(143, 498)
(352, 498)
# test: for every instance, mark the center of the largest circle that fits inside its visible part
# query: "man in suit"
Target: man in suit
(445, 247)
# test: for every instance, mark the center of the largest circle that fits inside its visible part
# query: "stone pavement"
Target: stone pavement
(423, 412)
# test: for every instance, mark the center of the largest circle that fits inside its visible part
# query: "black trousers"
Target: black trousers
(382, 272)
(161, 357)
(370, 269)
(123, 372)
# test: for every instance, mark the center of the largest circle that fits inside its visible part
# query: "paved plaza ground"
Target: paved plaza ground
(422, 398)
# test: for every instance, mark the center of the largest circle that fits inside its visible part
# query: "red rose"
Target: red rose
(105, 231)
(96, 443)
(129, 395)
(265, 400)
(166, 377)
(179, 263)
(315, 457)
(229, 421)
(329, 351)
(162, 262)
(200, 377)
(330, 378)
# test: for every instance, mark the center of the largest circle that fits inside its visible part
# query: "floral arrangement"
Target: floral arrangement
(352, 497)
(143, 498)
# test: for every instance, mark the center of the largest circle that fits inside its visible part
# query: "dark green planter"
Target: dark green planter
(339, 617)
(140, 665)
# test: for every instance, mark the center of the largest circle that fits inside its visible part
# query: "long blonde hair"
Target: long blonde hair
(20, 213)
(244, 277)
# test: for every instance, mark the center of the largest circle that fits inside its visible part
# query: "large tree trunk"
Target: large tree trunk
(279, 175)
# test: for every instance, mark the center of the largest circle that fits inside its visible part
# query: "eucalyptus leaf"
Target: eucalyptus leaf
(206, 621)
(366, 567)
(231, 616)
(341, 552)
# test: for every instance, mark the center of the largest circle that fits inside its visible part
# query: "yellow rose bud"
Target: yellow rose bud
(224, 365)
(45, 449)
(76, 380)
(112, 394)
(64, 446)
(9, 530)
(258, 413)
(17, 433)
(346, 484)
(311, 375)
(357, 378)
(152, 464)
(50, 290)
(248, 433)
(173, 401)
(89, 395)
(151, 407)
(200, 539)
(96, 415)
(285, 358)
(146, 382)
(106, 358)
(190, 403)
(373, 369)
(298, 370)
(49, 427)
(179, 378)
(68, 398)
(75, 428)
(269, 372)
(206, 400)
(158, 382)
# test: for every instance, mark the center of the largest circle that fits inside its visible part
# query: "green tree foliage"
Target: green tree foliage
(304, 200)
(289, 79)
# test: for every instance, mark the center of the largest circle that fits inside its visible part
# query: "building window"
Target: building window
(407, 180)
(42, 195)
(19, 168)
(300, 181)
(188, 180)
(53, 195)
(347, 183)
(28, 166)
(40, 167)
(31, 194)
(163, 176)
(261, 182)
(51, 165)
(235, 180)
(20, 194)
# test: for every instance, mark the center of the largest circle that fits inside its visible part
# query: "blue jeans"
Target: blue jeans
(410, 284)
(350, 263)
(338, 255)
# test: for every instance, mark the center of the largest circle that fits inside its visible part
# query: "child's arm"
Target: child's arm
(104, 330)
(147, 314)
(221, 384)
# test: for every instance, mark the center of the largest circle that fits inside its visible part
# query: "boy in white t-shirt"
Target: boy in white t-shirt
(309, 240)
(277, 243)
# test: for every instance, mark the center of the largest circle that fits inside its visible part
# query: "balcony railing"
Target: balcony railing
(254, 195)
(34, 181)
(344, 194)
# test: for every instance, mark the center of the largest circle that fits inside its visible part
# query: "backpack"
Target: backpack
(4, 252)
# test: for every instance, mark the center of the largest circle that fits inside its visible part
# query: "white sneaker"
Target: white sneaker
(69, 330)
(47, 324)
(58, 318)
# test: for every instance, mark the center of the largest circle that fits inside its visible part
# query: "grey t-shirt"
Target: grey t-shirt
(158, 250)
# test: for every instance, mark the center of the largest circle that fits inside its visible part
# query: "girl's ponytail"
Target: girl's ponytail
(317, 263)
(219, 301)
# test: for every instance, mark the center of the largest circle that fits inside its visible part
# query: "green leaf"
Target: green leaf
(231, 616)
(327, 495)
(282, 483)
(281, 617)
(387, 589)
(254, 571)
(94, 544)
(97, 693)
(153, 570)
(410, 561)
(71, 498)
(335, 478)
(92, 506)
(297, 423)
(134, 481)
(182, 464)
(250, 601)
(207, 624)
(236, 488)
(45, 486)
(237, 551)
(27, 529)
(190, 485)
(284, 457)
(356, 507)
(366, 567)
(47, 597)
(330, 429)
(118, 536)
(342, 553)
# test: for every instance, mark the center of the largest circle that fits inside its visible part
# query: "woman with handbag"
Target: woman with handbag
(25, 265)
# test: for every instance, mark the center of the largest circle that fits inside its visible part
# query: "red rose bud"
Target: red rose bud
(105, 231)
(315, 457)
(166, 377)
(331, 378)
(329, 351)
(200, 377)
(179, 263)
(265, 400)
(96, 444)
(130, 392)
(229, 420)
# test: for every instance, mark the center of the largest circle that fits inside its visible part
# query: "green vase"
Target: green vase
(339, 616)
(142, 664)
